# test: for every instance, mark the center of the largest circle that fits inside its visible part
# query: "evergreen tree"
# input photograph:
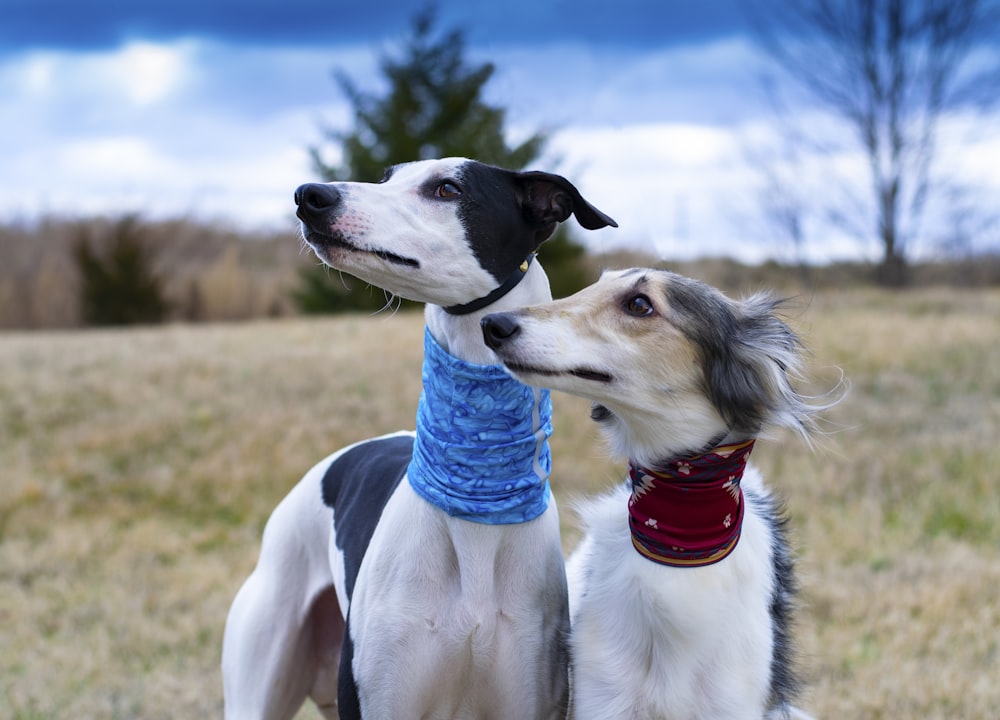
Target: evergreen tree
(563, 260)
(119, 286)
(434, 108)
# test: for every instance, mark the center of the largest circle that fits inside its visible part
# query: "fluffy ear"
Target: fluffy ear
(750, 378)
(748, 354)
(549, 199)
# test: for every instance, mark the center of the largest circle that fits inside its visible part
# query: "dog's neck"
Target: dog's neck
(462, 336)
(512, 281)
(688, 511)
(481, 452)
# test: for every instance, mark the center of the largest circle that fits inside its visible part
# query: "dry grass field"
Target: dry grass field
(137, 469)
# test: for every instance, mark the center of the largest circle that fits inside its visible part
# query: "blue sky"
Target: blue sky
(206, 109)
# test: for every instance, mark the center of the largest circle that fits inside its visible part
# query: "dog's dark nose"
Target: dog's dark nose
(315, 199)
(498, 328)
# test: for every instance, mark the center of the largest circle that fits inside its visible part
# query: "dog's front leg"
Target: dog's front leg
(273, 653)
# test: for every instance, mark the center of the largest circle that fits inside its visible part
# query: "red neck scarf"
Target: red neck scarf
(689, 512)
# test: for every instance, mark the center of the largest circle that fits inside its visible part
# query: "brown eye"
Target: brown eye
(639, 306)
(447, 190)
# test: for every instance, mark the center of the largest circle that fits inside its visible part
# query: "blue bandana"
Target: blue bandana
(482, 451)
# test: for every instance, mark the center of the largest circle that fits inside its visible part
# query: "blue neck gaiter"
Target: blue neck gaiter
(482, 451)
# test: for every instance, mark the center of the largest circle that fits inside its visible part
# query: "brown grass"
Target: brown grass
(138, 469)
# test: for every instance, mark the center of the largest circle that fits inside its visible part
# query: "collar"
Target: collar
(481, 451)
(688, 512)
(509, 284)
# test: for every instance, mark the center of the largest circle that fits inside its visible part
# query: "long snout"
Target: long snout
(498, 328)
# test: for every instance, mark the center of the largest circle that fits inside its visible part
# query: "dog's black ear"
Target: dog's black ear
(549, 199)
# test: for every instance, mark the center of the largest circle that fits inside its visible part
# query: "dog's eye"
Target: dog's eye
(639, 306)
(447, 190)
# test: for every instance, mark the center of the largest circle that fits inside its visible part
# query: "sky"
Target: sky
(207, 110)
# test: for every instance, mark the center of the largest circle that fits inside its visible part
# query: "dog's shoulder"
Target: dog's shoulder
(356, 486)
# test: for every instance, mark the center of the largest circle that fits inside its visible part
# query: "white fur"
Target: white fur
(393, 216)
(452, 615)
(651, 641)
(450, 619)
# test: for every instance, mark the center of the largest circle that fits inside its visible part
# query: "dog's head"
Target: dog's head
(670, 363)
(439, 231)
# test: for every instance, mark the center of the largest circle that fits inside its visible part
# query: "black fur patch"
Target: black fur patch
(348, 702)
(785, 682)
(497, 232)
(507, 215)
(357, 485)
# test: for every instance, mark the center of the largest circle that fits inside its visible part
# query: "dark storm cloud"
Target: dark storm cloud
(103, 24)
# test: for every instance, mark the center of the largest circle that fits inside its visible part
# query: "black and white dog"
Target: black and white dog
(682, 589)
(420, 575)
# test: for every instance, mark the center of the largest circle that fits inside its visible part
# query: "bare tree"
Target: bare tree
(782, 213)
(888, 71)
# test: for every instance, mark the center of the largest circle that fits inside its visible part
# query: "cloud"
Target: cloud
(201, 128)
(656, 138)
(166, 129)
(574, 84)
(148, 73)
(67, 94)
(669, 186)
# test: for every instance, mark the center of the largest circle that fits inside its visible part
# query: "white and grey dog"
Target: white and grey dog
(681, 592)
(420, 575)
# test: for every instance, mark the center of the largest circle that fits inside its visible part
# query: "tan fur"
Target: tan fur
(650, 358)
(673, 367)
